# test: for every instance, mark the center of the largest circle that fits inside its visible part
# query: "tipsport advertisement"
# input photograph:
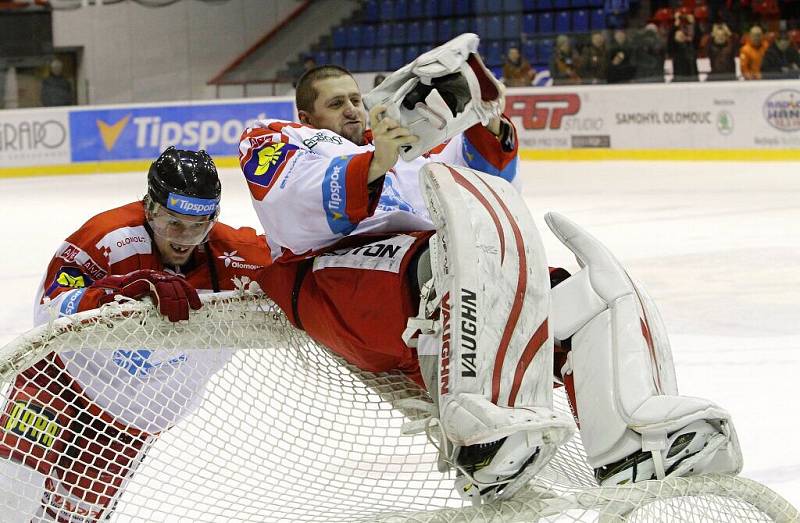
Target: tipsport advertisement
(143, 132)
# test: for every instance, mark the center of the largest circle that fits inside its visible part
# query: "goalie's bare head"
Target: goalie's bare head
(328, 97)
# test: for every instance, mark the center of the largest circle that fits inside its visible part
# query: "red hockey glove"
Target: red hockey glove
(173, 295)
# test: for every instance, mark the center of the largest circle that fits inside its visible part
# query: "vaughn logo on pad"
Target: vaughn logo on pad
(192, 206)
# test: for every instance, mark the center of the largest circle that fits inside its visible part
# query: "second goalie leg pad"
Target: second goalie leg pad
(634, 425)
(489, 310)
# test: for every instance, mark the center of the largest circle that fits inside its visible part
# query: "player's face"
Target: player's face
(177, 235)
(338, 108)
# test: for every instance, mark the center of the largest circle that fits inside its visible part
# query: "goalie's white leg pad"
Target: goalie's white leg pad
(492, 286)
(625, 386)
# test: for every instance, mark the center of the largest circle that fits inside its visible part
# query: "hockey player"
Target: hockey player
(350, 215)
(76, 425)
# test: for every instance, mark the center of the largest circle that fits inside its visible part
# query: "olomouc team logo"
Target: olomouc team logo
(130, 133)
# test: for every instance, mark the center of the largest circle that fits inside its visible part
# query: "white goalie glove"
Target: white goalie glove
(633, 423)
(440, 94)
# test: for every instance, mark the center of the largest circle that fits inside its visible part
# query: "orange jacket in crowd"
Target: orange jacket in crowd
(750, 59)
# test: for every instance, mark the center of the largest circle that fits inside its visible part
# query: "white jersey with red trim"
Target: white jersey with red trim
(309, 186)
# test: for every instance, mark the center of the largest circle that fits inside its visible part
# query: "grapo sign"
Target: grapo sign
(542, 111)
(31, 135)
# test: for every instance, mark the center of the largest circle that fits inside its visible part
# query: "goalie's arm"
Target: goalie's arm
(305, 199)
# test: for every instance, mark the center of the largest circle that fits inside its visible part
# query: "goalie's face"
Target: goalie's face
(338, 108)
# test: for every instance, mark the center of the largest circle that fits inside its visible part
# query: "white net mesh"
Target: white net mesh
(285, 431)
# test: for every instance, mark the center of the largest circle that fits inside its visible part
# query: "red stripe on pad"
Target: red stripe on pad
(536, 342)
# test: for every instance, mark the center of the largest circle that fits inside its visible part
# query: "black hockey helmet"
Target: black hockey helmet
(185, 182)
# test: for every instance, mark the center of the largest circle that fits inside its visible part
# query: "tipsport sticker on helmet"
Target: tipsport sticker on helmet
(334, 196)
(191, 206)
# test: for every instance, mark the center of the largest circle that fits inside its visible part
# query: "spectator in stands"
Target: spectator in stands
(621, 68)
(752, 54)
(564, 65)
(721, 50)
(309, 63)
(781, 59)
(594, 60)
(649, 54)
(682, 51)
(56, 90)
(378, 80)
(517, 72)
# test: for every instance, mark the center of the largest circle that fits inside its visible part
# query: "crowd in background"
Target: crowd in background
(763, 48)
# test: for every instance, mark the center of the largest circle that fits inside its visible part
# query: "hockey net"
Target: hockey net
(289, 432)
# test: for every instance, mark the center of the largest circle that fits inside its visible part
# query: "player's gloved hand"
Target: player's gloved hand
(173, 295)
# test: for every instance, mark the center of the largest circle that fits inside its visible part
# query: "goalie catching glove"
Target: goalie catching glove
(173, 295)
(440, 94)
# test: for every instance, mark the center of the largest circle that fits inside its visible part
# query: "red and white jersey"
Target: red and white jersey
(149, 389)
(309, 186)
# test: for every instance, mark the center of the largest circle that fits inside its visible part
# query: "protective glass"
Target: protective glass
(179, 229)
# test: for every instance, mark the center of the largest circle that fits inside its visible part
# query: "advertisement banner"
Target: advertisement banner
(34, 138)
(143, 132)
(701, 116)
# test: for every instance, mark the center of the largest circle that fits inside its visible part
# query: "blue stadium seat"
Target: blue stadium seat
(396, 58)
(340, 37)
(415, 9)
(414, 32)
(383, 32)
(365, 60)
(482, 7)
(529, 51)
(351, 60)
(598, 20)
(544, 5)
(428, 35)
(380, 60)
(482, 49)
(529, 24)
(354, 36)
(462, 7)
(494, 54)
(337, 58)
(512, 6)
(412, 51)
(386, 10)
(597, 3)
(580, 21)
(398, 33)
(546, 23)
(511, 26)
(321, 57)
(494, 28)
(580, 3)
(429, 10)
(562, 22)
(444, 30)
(614, 21)
(544, 52)
(560, 4)
(400, 9)
(445, 7)
(479, 26)
(371, 12)
(528, 5)
(461, 26)
(368, 36)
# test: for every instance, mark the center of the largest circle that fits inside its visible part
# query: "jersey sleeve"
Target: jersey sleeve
(65, 288)
(479, 149)
(308, 186)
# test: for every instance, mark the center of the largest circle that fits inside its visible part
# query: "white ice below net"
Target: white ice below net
(289, 432)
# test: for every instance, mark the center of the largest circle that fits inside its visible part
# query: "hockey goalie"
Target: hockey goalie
(407, 246)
